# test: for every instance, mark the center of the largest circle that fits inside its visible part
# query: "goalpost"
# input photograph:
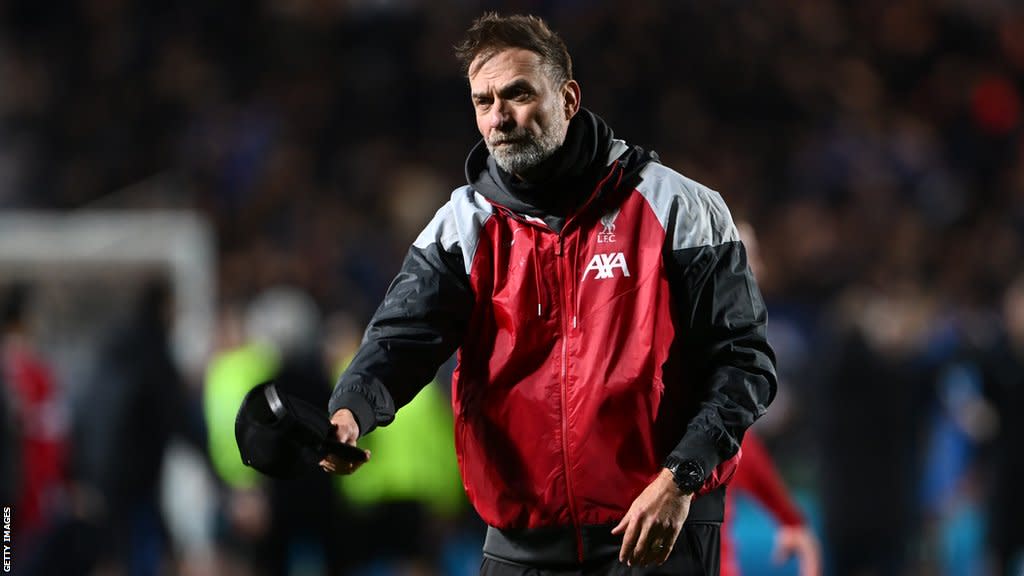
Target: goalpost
(84, 264)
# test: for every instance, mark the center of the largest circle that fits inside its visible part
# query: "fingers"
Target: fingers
(645, 541)
(642, 548)
(335, 465)
(632, 533)
(642, 544)
(653, 522)
(799, 542)
(810, 557)
(810, 565)
(346, 431)
(781, 552)
(661, 548)
(655, 546)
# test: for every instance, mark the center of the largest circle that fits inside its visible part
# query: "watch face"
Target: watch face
(689, 475)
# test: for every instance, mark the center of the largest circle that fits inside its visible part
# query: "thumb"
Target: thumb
(781, 552)
(621, 527)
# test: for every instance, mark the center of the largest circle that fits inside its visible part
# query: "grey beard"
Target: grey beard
(520, 157)
(527, 153)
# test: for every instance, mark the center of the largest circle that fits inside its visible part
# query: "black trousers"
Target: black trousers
(696, 553)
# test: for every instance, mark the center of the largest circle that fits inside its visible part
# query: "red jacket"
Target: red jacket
(587, 356)
(758, 478)
(42, 425)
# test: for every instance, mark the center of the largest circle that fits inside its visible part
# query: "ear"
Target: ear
(571, 97)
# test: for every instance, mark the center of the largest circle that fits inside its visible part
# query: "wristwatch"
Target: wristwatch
(688, 474)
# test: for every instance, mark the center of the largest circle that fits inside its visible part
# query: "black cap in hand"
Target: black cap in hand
(285, 436)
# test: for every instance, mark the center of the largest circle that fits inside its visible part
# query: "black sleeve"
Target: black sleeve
(725, 346)
(417, 327)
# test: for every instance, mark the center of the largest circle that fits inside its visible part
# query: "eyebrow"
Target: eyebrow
(519, 85)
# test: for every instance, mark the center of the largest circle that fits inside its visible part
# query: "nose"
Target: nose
(498, 117)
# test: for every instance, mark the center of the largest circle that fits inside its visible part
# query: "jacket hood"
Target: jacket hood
(589, 151)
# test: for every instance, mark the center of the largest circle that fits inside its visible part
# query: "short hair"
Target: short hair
(492, 33)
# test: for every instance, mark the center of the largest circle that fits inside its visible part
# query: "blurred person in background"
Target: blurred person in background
(40, 423)
(758, 478)
(960, 423)
(235, 367)
(870, 422)
(304, 519)
(1005, 386)
(272, 526)
(134, 405)
(611, 336)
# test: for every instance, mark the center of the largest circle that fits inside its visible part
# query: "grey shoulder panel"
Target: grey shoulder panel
(692, 214)
(457, 225)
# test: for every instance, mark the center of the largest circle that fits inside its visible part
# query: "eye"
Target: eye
(520, 94)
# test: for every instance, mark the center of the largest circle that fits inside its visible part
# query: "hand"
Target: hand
(346, 430)
(800, 542)
(653, 522)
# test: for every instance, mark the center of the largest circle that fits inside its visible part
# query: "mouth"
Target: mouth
(507, 138)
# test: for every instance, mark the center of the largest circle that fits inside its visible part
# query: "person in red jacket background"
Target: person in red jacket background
(757, 477)
(39, 417)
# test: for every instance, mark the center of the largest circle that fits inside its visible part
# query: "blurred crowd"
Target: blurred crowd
(876, 147)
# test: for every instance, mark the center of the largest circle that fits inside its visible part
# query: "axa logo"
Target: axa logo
(607, 233)
(604, 265)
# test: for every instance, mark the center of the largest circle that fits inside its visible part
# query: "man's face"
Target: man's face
(520, 111)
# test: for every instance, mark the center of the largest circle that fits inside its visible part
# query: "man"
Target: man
(610, 336)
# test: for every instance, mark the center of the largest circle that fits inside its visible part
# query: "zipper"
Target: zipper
(567, 308)
(559, 251)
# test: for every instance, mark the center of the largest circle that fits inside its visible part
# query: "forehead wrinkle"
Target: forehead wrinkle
(517, 82)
